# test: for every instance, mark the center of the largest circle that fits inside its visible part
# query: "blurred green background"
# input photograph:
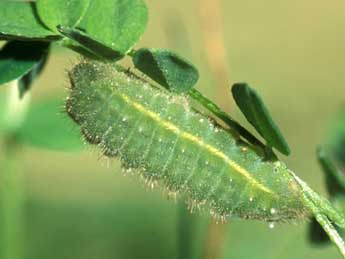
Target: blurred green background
(292, 52)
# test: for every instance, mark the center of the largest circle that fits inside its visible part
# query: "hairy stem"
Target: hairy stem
(323, 212)
(331, 232)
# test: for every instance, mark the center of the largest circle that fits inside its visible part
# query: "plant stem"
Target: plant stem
(225, 117)
(213, 39)
(12, 203)
(323, 212)
(192, 230)
(331, 232)
(16, 108)
(12, 180)
(215, 240)
(185, 229)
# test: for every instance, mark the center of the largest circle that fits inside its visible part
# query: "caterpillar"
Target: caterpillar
(159, 135)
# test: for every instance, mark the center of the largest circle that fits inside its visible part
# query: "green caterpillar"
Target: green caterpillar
(159, 134)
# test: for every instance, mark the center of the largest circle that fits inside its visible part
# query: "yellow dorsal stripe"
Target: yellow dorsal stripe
(183, 134)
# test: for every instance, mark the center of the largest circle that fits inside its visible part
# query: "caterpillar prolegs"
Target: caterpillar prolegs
(158, 134)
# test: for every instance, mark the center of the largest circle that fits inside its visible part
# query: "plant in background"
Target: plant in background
(331, 160)
(150, 117)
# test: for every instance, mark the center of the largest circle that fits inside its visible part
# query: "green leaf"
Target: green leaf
(65, 12)
(335, 179)
(18, 58)
(336, 138)
(18, 21)
(46, 126)
(27, 80)
(257, 114)
(90, 44)
(118, 24)
(166, 68)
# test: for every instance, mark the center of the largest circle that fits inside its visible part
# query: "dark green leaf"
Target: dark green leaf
(26, 81)
(335, 179)
(257, 114)
(18, 58)
(65, 12)
(166, 68)
(18, 21)
(116, 23)
(46, 126)
(336, 138)
(94, 46)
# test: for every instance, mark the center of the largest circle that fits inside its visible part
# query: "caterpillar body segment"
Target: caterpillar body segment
(158, 134)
